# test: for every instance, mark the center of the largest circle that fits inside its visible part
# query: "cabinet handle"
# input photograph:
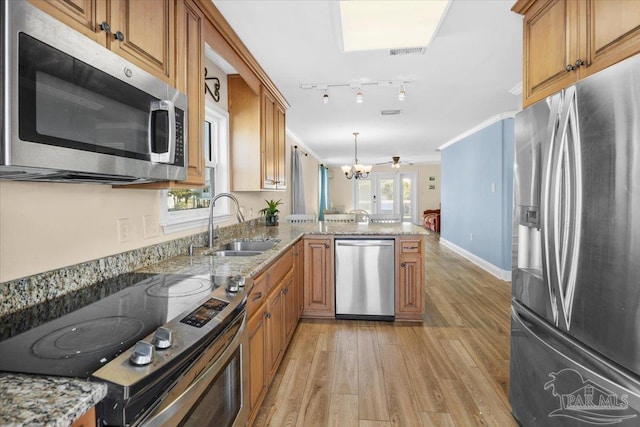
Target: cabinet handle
(257, 297)
(411, 247)
(579, 63)
(285, 291)
(403, 265)
(104, 26)
(326, 245)
(119, 36)
(570, 67)
(267, 315)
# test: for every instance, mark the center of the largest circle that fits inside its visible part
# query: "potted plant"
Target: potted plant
(271, 212)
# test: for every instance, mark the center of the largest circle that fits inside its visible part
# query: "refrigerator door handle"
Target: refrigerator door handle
(548, 246)
(566, 206)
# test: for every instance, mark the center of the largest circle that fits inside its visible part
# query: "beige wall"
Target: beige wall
(341, 189)
(252, 202)
(45, 226)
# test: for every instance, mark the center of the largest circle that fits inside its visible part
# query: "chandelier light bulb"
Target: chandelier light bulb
(402, 95)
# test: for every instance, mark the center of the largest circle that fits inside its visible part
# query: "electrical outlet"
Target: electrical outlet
(151, 226)
(124, 230)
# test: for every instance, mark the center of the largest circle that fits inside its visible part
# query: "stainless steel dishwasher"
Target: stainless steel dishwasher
(365, 278)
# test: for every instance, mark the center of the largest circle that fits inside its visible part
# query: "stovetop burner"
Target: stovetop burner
(79, 333)
(88, 337)
(176, 287)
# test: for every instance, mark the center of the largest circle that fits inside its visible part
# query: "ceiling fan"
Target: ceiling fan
(395, 162)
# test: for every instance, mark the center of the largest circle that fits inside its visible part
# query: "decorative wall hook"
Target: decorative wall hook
(216, 86)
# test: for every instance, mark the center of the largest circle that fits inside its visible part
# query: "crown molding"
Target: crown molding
(495, 119)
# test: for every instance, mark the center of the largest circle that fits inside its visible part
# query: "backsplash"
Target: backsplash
(16, 295)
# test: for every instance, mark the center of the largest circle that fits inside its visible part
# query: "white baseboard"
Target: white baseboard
(484, 264)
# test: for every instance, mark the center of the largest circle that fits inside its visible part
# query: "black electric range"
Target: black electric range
(95, 332)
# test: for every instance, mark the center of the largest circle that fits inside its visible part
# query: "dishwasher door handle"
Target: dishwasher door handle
(365, 244)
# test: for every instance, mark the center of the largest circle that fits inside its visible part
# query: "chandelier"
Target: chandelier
(356, 170)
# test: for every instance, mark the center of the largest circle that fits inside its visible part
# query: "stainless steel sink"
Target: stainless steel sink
(249, 245)
(235, 253)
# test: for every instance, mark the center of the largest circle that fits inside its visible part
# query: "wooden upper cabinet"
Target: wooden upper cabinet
(84, 16)
(141, 31)
(565, 41)
(257, 132)
(550, 46)
(612, 33)
(190, 80)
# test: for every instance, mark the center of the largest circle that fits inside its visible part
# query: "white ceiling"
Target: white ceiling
(461, 81)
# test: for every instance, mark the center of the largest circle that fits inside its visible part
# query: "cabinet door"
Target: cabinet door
(409, 292)
(257, 359)
(275, 330)
(319, 298)
(280, 147)
(84, 16)
(612, 33)
(86, 420)
(298, 272)
(147, 34)
(190, 80)
(268, 146)
(290, 307)
(550, 45)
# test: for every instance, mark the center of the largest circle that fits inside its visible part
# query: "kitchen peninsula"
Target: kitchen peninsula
(288, 283)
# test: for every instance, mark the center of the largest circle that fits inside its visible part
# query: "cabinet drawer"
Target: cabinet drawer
(258, 295)
(280, 268)
(410, 246)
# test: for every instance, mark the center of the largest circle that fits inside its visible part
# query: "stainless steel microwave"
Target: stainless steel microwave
(73, 111)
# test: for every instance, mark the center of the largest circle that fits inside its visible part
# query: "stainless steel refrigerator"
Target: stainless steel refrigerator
(575, 334)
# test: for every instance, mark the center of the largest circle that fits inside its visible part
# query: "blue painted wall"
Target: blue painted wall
(474, 217)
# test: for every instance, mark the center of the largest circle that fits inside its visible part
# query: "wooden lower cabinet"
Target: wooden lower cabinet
(272, 309)
(319, 299)
(86, 420)
(275, 330)
(290, 306)
(298, 273)
(410, 279)
(257, 340)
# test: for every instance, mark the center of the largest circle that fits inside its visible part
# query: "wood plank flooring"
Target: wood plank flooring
(450, 370)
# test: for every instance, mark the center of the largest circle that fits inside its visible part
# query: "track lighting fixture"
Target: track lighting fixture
(402, 94)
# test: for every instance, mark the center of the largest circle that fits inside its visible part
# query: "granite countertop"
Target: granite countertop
(56, 401)
(27, 400)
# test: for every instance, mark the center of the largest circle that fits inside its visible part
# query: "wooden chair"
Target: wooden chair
(385, 218)
(340, 218)
(300, 218)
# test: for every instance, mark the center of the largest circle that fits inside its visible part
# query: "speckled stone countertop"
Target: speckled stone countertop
(46, 401)
(54, 401)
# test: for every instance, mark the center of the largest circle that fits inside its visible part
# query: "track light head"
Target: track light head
(402, 95)
(359, 96)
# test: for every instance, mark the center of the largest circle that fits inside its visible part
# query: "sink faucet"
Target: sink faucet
(212, 203)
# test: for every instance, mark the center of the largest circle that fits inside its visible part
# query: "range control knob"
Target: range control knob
(143, 353)
(163, 338)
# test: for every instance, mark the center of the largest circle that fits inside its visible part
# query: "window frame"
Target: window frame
(176, 221)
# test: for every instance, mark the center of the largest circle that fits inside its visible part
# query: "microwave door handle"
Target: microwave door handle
(168, 155)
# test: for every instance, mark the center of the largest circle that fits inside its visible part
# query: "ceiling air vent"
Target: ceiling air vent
(390, 112)
(408, 51)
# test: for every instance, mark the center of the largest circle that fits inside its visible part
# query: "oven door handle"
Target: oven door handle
(175, 411)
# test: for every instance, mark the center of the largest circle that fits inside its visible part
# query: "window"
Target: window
(189, 208)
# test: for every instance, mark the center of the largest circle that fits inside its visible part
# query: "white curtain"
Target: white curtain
(297, 183)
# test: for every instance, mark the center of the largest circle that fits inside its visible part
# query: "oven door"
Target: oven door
(212, 391)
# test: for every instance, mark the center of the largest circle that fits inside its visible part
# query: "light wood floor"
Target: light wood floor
(450, 370)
